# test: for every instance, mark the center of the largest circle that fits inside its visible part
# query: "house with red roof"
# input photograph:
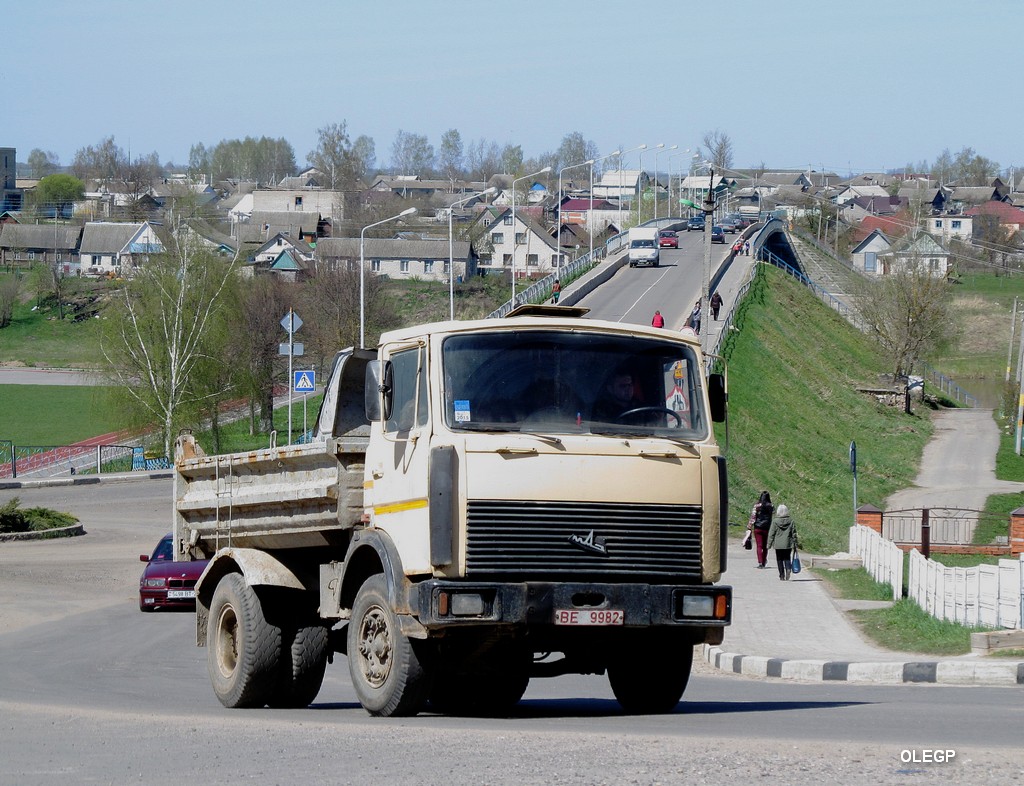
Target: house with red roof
(1011, 218)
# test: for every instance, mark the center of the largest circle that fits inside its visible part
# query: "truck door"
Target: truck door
(397, 463)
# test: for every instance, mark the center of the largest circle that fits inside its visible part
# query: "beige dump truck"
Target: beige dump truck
(481, 503)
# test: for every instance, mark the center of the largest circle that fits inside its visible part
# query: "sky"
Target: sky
(848, 87)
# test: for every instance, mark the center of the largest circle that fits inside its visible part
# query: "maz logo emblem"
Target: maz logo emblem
(590, 543)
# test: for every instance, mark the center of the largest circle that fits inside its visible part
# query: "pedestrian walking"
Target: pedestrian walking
(760, 523)
(659, 320)
(783, 538)
(695, 318)
(716, 305)
(746, 248)
(556, 290)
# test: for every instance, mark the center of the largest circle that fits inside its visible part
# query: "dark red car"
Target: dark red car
(166, 583)
(668, 239)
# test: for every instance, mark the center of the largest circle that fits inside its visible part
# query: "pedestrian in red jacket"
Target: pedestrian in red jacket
(659, 320)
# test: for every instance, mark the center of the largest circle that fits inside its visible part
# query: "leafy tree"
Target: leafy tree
(42, 162)
(158, 338)
(449, 156)
(717, 148)
(910, 313)
(411, 154)
(59, 192)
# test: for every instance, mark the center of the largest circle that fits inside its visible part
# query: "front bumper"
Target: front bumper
(443, 603)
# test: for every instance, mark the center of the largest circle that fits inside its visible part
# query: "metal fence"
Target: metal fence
(48, 461)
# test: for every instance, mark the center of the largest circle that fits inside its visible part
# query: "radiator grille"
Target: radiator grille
(524, 540)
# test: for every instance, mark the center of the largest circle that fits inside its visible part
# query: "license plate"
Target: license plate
(589, 617)
(181, 594)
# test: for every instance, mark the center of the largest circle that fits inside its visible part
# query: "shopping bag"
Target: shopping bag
(747, 541)
(796, 562)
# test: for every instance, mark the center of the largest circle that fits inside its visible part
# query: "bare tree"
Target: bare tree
(42, 163)
(717, 148)
(449, 156)
(364, 157)
(157, 337)
(263, 301)
(104, 161)
(10, 288)
(411, 154)
(483, 159)
(331, 304)
(909, 311)
(333, 155)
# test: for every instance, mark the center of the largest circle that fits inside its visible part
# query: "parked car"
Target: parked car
(166, 583)
(730, 225)
(668, 239)
(717, 235)
(695, 222)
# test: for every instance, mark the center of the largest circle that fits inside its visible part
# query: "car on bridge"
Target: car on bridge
(730, 225)
(717, 235)
(166, 583)
(695, 222)
(668, 239)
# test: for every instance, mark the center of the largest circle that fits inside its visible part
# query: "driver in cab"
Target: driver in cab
(618, 396)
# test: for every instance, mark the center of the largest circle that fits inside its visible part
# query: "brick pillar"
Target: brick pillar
(871, 517)
(1017, 531)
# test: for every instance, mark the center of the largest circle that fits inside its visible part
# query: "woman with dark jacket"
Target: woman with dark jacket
(782, 537)
(760, 522)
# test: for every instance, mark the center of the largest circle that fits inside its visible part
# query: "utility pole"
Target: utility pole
(1013, 328)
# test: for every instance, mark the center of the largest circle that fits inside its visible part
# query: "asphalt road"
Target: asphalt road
(92, 690)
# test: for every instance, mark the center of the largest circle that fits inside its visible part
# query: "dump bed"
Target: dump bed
(295, 496)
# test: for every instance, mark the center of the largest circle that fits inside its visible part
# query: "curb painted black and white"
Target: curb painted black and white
(86, 480)
(948, 672)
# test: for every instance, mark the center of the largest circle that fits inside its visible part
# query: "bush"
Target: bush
(32, 519)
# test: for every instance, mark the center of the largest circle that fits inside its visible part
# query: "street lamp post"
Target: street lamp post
(656, 178)
(590, 211)
(631, 150)
(451, 246)
(362, 270)
(679, 190)
(639, 184)
(558, 239)
(516, 180)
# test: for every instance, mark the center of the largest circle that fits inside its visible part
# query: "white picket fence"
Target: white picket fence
(986, 595)
(880, 557)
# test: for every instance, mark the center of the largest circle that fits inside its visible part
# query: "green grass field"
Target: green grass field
(47, 415)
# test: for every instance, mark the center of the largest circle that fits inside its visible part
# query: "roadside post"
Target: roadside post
(304, 382)
(290, 322)
(853, 469)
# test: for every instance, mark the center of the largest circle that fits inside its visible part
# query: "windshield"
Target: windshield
(572, 382)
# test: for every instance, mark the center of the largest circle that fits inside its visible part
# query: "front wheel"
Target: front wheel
(243, 649)
(650, 677)
(387, 672)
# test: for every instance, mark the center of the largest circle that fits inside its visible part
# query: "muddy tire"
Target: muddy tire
(243, 649)
(651, 679)
(387, 672)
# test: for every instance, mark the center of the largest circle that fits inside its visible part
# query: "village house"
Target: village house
(116, 249)
(501, 238)
(399, 258)
(27, 244)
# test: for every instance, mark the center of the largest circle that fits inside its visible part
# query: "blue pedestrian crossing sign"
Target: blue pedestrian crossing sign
(304, 381)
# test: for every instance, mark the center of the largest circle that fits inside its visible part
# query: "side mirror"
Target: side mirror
(717, 395)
